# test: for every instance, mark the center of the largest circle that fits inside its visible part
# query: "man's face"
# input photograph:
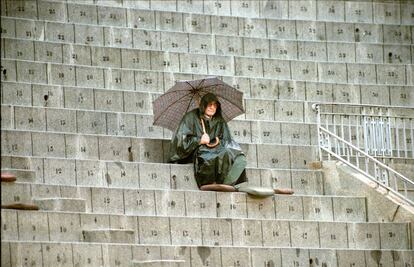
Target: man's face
(211, 109)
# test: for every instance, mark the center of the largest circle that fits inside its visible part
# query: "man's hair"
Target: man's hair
(208, 98)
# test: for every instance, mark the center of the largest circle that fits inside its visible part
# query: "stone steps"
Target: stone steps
(131, 125)
(78, 80)
(162, 202)
(109, 236)
(55, 253)
(153, 14)
(327, 51)
(85, 146)
(61, 204)
(173, 230)
(121, 174)
(161, 263)
(153, 82)
(269, 109)
(263, 68)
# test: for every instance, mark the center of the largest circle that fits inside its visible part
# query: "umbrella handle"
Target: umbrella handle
(204, 131)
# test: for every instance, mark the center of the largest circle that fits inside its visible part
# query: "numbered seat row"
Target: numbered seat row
(120, 174)
(138, 125)
(158, 82)
(281, 131)
(282, 47)
(71, 74)
(114, 148)
(127, 104)
(57, 40)
(191, 203)
(244, 131)
(127, 13)
(74, 32)
(81, 254)
(151, 230)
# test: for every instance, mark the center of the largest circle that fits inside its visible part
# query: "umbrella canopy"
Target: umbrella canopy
(184, 96)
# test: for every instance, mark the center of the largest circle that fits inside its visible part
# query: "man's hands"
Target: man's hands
(205, 139)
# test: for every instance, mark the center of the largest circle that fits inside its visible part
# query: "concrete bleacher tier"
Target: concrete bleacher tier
(77, 83)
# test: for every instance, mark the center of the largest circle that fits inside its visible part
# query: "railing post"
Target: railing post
(389, 138)
(316, 108)
(366, 135)
(357, 139)
(405, 139)
(412, 136)
(397, 137)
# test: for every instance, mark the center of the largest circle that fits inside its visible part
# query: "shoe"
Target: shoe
(255, 191)
(8, 177)
(283, 191)
(20, 206)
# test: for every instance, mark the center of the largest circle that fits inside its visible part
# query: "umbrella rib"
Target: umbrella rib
(201, 82)
(190, 85)
(232, 103)
(197, 90)
(181, 98)
(189, 102)
(184, 89)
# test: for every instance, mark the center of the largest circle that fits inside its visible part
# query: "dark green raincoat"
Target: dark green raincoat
(211, 165)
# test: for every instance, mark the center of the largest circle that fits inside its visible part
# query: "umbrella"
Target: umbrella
(184, 96)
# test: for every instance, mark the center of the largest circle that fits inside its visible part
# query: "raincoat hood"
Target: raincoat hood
(208, 98)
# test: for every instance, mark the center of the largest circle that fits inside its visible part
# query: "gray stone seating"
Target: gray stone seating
(60, 204)
(92, 76)
(80, 98)
(161, 263)
(81, 254)
(14, 195)
(105, 13)
(166, 202)
(195, 230)
(83, 98)
(405, 167)
(54, 50)
(121, 174)
(70, 120)
(115, 148)
(368, 12)
(78, 79)
(335, 48)
(109, 236)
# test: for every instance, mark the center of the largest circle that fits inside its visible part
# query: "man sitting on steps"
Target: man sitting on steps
(218, 165)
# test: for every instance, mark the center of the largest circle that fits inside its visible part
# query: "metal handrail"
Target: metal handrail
(314, 106)
(377, 164)
(371, 115)
(344, 151)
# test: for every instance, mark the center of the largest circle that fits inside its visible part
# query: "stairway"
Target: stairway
(77, 82)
